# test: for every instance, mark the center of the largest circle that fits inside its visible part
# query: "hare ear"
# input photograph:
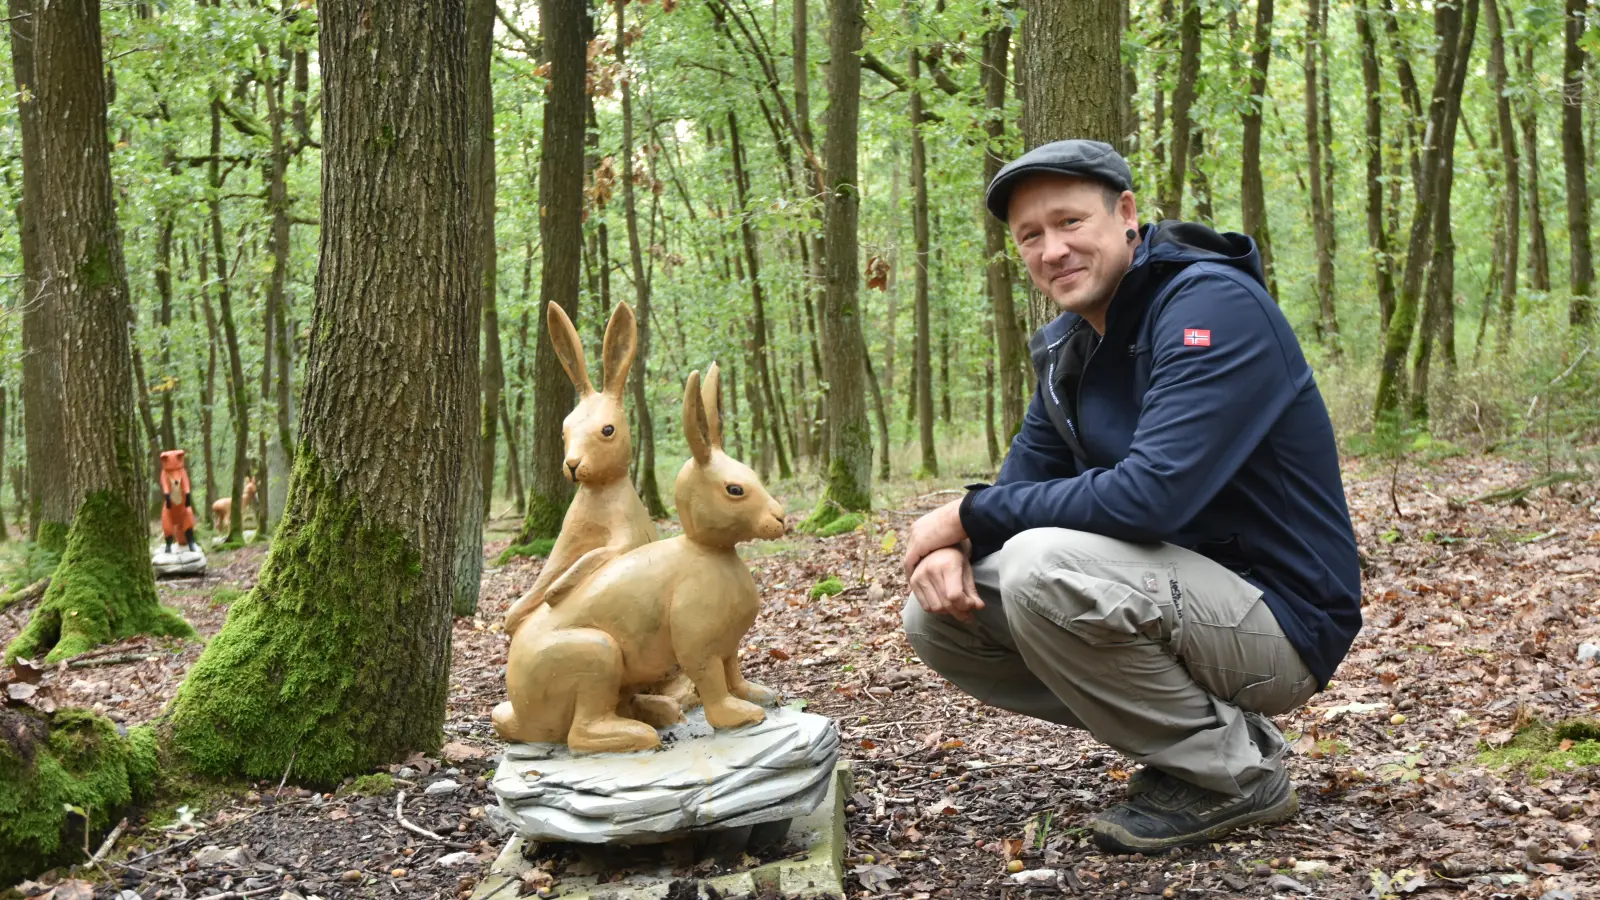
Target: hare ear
(694, 420)
(711, 399)
(569, 348)
(622, 339)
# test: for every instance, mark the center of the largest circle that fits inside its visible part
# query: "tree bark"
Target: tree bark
(339, 660)
(238, 407)
(208, 385)
(849, 482)
(1580, 272)
(103, 588)
(1528, 119)
(1509, 237)
(1010, 341)
(1252, 193)
(1183, 94)
(1321, 213)
(44, 427)
(478, 429)
(1456, 28)
(1377, 236)
(1077, 43)
(566, 38)
(922, 363)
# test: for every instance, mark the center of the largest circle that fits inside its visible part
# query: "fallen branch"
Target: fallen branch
(115, 659)
(105, 846)
(1517, 492)
(25, 595)
(399, 816)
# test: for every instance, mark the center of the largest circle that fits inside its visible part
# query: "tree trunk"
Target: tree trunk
(103, 588)
(1078, 43)
(1183, 94)
(478, 428)
(1377, 237)
(881, 417)
(849, 482)
(238, 407)
(566, 27)
(208, 386)
(338, 661)
(1321, 213)
(922, 364)
(1450, 73)
(5, 532)
(1204, 203)
(1252, 193)
(1538, 247)
(1510, 237)
(1581, 271)
(758, 300)
(649, 491)
(1010, 342)
(44, 426)
(163, 273)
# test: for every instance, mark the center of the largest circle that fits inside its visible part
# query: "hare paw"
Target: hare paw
(612, 734)
(654, 709)
(755, 693)
(732, 712)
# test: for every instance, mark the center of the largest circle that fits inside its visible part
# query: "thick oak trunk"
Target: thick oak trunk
(338, 660)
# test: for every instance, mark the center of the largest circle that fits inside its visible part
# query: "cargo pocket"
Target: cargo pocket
(1110, 606)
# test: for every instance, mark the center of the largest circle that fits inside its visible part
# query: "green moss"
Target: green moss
(1538, 749)
(843, 495)
(328, 662)
(104, 589)
(96, 271)
(544, 518)
(827, 587)
(540, 547)
(842, 525)
(53, 536)
(65, 778)
(371, 785)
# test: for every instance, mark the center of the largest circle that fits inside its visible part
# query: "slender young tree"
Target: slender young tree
(1183, 95)
(44, 428)
(566, 28)
(1580, 273)
(1252, 192)
(104, 588)
(338, 660)
(1511, 204)
(1321, 212)
(1010, 341)
(922, 364)
(479, 427)
(1528, 121)
(1377, 235)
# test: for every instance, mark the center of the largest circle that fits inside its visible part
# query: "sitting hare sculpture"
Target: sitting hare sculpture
(680, 604)
(605, 518)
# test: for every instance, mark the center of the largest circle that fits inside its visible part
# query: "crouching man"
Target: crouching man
(1166, 558)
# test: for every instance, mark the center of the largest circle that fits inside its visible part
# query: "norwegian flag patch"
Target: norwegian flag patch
(1196, 337)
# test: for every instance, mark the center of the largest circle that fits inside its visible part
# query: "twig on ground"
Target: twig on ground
(399, 816)
(113, 660)
(286, 770)
(105, 845)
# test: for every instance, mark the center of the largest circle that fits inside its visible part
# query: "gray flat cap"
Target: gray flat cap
(1075, 158)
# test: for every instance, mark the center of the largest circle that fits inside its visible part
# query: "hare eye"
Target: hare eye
(609, 430)
(735, 490)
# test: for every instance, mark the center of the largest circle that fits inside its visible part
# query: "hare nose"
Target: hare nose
(572, 466)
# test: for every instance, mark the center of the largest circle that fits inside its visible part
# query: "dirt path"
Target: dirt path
(1474, 618)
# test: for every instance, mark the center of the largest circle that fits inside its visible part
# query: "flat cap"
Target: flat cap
(1073, 158)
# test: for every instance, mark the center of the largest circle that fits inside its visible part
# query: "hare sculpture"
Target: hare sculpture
(606, 518)
(682, 604)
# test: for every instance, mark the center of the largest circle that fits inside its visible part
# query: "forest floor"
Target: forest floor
(1432, 765)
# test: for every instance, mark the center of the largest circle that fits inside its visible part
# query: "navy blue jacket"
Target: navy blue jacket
(1194, 421)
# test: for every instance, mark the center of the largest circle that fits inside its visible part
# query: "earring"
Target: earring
(1132, 235)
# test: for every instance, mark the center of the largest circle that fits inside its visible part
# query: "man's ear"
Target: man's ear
(1128, 210)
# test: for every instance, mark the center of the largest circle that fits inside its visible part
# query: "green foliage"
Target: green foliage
(102, 591)
(24, 563)
(539, 547)
(1538, 748)
(370, 785)
(53, 537)
(827, 587)
(225, 596)
(64, 780)
(303, 669)
(842, 525)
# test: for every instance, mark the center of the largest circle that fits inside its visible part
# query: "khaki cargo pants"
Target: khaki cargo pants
(1155, 650)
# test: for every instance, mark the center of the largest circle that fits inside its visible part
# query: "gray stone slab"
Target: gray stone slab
(816, 871)
(700, 779)
(181, 561)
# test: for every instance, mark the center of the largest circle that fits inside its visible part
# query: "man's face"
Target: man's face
(1076, 249)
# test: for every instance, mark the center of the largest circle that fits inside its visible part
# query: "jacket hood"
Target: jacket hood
(1165, 244)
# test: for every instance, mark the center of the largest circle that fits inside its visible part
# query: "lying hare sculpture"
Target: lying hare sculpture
(605, 518)
(680, 604)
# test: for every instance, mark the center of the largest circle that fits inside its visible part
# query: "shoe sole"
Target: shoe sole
(1115, 839)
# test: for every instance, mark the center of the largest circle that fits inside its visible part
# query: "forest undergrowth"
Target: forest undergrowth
(1455, 749)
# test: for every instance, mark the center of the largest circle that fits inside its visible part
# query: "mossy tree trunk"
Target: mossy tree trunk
(566, 38)
(338, 661)
(104, 588)
(49, 503)
(849, 485)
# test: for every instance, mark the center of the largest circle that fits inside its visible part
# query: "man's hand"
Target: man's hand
(943, 584)
(940, 528)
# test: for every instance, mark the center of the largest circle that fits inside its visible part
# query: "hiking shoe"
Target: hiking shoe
(1174, 813)
(1145, 779)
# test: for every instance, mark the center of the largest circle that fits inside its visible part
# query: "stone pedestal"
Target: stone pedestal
(181, 561)
(700, 780)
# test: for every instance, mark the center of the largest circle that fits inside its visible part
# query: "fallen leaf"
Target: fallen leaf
(1011, 848)
(339, 814)
(71, 890)
(1566, 744)
(779, 655)
(455, 751)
